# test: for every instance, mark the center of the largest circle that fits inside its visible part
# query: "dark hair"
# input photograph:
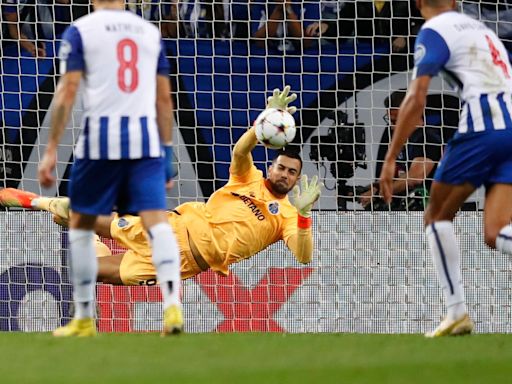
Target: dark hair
(290, 152)
(437, 3)
(395, 99)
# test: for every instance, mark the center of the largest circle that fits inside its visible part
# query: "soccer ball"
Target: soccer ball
(275, 128)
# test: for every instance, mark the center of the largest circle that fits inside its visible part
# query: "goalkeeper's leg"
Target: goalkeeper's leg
(59, 206)
(16, 198)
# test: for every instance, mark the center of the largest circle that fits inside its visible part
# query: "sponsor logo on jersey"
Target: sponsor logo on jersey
(250, 204)
(273, 207)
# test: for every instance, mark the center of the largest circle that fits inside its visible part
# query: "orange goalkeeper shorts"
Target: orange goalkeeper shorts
(137, 268)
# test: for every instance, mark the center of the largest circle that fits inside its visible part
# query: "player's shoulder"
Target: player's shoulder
(103, 17)
(449, 22)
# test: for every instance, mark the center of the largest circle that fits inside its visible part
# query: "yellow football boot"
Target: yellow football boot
(173, 320)
(463, 326)
(77, 328)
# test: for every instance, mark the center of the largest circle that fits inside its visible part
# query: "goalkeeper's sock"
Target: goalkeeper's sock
(445, 252)
(504, 240)
(83, 271)
(166, 258)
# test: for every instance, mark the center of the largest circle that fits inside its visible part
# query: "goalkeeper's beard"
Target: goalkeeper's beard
(279, 187)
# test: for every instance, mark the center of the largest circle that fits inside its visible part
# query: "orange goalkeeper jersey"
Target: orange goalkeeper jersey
(239, 220)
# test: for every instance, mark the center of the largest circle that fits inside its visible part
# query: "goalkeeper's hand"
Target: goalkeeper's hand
(304, 197)
(281, 100)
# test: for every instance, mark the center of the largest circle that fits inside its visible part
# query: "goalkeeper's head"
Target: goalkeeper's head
(284, 172)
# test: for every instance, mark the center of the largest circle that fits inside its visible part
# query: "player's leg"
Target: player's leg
(166, 259)
(12, 197)
(109, 271)
(102, 226)
(148, 198)
(83, 268)
(445, 201)
(93, 188)
(82, 271)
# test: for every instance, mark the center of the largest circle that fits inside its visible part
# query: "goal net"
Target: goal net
(371, 271)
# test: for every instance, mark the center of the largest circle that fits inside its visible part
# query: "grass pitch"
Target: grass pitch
(255, 358)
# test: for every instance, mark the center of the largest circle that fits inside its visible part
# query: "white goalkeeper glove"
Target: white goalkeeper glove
(304, 197)
(281, 100)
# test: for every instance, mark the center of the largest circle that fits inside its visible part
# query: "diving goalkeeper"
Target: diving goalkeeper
(240, 219)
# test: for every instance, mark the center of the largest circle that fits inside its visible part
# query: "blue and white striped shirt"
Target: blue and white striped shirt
(120, 55)
(473, 61)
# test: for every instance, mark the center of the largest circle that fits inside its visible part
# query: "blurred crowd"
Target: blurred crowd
(284, 25)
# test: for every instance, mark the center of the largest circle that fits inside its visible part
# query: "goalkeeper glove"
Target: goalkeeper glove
(281, 100)
(170, 171)
(304, 197)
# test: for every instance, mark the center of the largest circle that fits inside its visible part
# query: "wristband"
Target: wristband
(304, 222)
(170, 172)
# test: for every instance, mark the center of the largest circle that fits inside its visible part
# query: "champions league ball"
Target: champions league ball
(275, 128)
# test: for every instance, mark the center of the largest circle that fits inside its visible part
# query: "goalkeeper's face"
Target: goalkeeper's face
(283, 174)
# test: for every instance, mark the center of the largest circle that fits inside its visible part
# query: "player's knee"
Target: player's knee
(431, 215)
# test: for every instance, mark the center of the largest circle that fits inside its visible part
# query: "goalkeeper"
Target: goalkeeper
(240, 219)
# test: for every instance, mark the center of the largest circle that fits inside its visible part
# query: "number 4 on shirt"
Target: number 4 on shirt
(496, 57)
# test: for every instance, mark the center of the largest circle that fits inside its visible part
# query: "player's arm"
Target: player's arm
(425, 155)
(242, 159)
(269, 28)
(431, 55)
(301, 245)
(411, 110)
(301, 242)
(63, 102)
(72, 65)
(164, 112)
(418, 171)
(16, 33)
(164, 108)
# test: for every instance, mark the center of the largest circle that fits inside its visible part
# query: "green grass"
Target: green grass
(255, 358)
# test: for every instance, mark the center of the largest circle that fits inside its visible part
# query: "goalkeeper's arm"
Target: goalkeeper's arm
(301, 244)
(242, 158)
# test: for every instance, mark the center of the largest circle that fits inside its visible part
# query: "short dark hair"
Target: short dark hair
(437, 3)
(395, 99)
(290, 152)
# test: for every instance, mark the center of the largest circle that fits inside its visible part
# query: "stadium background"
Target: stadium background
(371, 271)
